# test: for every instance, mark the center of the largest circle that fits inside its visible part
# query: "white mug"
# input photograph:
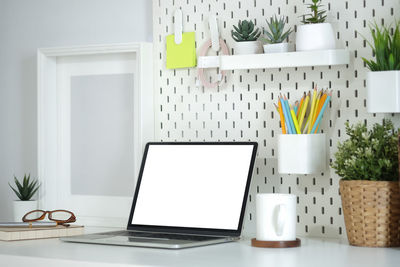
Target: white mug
(276, 217)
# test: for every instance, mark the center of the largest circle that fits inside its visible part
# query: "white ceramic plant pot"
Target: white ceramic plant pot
(383, 91)
(317, 36)
(301, 153)
(276, 48)
(245, 48)
(23, 207)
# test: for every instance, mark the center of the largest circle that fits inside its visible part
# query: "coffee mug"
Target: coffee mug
(276, 217)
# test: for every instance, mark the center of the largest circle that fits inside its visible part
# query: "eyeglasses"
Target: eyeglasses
(61, 217)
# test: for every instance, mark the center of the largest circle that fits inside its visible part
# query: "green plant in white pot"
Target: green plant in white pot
(368, 164)
(246, 35)
(24, 190)
(383, 80)
(275, 36)
(315, 33)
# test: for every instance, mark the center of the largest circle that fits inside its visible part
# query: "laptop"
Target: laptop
(188, 194)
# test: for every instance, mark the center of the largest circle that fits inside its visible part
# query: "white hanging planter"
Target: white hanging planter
(276, 48)
(248, 47)
(317, 36)
(302, 153)
(383, 91)
(22, 207)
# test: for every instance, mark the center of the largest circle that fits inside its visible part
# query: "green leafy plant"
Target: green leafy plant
(275, 35)
(317, 15)
(368, 154)
(26, 189)
(385, 48)
(245, 31)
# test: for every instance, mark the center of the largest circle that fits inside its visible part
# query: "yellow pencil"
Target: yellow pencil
(296, 124)
(314, 98)
(301, 106)
(304, 110)
(320, 93)
(279, 108)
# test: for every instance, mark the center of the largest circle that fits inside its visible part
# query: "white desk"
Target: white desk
(313, 252)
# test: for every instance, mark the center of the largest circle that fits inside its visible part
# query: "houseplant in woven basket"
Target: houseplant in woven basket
(368, 165)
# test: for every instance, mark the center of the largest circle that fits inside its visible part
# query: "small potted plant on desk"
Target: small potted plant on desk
(315, 34)
(383, 80)
(246, 35)
(368, 165)
(24, 192)
(275, 36)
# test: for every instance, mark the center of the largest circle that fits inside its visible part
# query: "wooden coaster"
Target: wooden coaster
(276, 244)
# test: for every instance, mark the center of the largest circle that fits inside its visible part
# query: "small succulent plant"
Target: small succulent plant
(275, 34)
(27, 189)
(316, 15)
(245, 31)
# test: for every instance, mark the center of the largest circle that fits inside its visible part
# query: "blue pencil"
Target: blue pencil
(289, 129)
(290, 121)
(321, 113)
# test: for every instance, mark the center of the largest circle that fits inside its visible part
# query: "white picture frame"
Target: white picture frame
(53, 125)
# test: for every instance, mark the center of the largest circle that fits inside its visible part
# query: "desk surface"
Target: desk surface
(313, 252)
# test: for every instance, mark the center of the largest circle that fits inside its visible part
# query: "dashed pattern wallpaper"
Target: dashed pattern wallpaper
(242, 109)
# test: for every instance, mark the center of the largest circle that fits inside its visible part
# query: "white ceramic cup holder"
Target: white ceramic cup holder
(302, 153)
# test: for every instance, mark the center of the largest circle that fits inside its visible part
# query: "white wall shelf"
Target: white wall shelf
(276, 60)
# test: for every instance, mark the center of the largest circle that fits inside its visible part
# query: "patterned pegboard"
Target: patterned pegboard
(242, 109)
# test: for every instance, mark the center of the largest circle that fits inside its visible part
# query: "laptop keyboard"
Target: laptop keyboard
(170, 236)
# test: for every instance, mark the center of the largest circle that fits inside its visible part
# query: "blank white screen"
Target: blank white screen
(199, 186)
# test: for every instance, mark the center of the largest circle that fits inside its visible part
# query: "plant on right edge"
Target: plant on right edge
(385, 48)
(317, 15)
(368, 165)
(384, 75)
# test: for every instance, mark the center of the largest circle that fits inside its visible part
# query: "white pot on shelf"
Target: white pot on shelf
(22, 207)
(319, 36)
(276, 48)
(248, 47)
(302, 153)
(383, 91)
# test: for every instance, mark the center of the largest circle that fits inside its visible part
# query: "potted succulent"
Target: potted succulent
(383, 80)
(24, 192)
(246, 35)
(275, 36)
(368, 165)
(315, 33)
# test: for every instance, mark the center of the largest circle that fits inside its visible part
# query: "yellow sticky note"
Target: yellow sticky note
(181, 55)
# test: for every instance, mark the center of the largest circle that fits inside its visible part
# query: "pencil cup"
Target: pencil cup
(301, 153)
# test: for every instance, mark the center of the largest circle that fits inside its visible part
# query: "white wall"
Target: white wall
(26, 25)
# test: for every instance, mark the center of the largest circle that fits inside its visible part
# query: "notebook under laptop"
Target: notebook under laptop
(187, 194)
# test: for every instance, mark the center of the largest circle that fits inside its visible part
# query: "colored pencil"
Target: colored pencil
(304, 109)
(301, 106)
(314, 98)
(296, 124)
(328, 98)
(321, 103)
(292, 128)
(288, 128)
(296, 106)
(279, 107)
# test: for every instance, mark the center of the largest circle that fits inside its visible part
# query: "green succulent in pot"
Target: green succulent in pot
(25, 189)
(245, 31)
(275, 33)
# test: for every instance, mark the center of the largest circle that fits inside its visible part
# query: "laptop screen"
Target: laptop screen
(193, 185)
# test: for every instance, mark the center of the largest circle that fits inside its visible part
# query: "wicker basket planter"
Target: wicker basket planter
(371, 212)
